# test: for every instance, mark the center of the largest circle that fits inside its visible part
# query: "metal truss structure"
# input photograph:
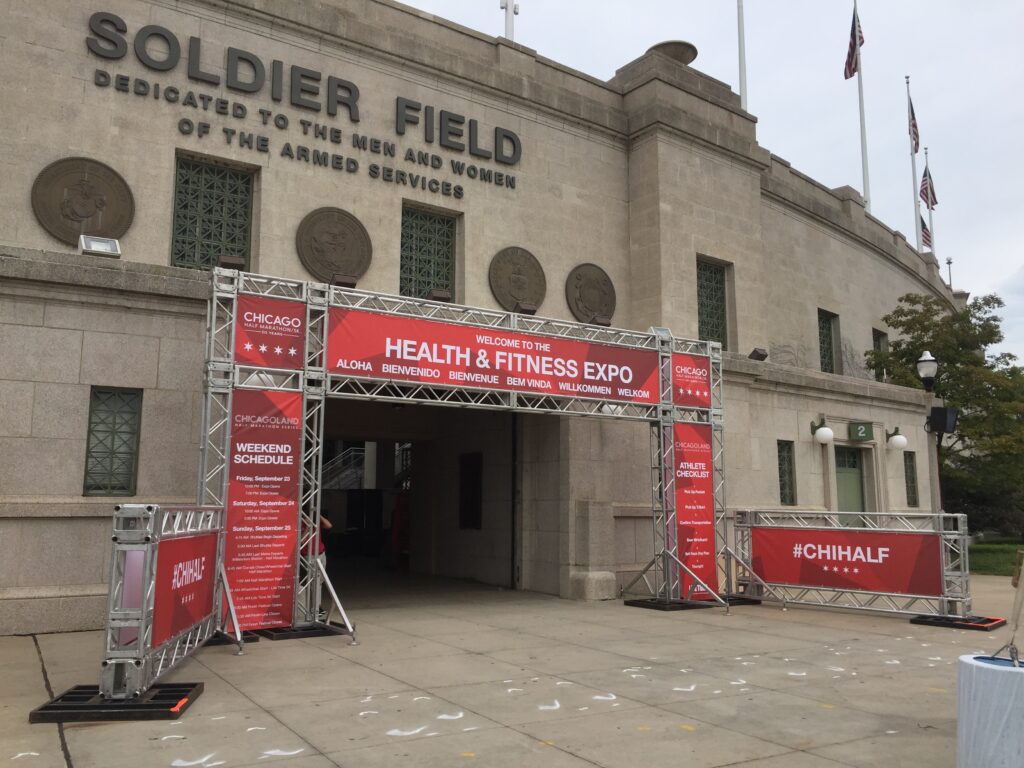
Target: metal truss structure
(223, 376)
(662, 576)
(130, 665)
(951, 530)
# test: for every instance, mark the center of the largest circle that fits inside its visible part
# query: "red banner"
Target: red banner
(695, 507)
(186, 571)
(378, 346)
(263, 505)
(876, 561)
(691, 380)
(270, 333)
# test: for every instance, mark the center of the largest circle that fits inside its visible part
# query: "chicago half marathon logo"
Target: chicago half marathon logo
(840, 558)
(188, 573)
(271, 333)
(692, 380)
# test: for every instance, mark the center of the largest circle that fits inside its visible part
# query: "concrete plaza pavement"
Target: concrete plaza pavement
(456, 674)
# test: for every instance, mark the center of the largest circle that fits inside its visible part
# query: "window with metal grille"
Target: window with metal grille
(471, 490)
(112, 447)
(827, 340)
(910, 476)
(880, 343)
(787, 473)
(427, 253)
(711, 302)
(212, 215)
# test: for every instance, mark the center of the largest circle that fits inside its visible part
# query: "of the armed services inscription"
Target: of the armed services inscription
(517, 279)
(332, 242)
(78, 196)
(590, 294)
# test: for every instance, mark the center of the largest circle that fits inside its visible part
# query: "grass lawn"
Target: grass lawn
(995, 559)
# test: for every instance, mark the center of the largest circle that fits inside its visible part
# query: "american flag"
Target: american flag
(928, 190)
(926, 234)
(856, 40)
(915, 135)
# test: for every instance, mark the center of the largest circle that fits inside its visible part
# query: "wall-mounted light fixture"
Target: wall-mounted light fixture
(758, 353)
(344, 280)
(821, 433)
(895, 440)
(90, 245)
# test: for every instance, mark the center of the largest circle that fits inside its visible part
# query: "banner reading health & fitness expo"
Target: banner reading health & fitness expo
(263, 505)
(394, 348)
(695, 508)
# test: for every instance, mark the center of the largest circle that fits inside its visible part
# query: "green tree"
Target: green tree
(983, 462)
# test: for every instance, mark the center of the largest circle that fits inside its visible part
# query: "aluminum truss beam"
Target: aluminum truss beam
(130, 666)
(952, 530)
(223, 376)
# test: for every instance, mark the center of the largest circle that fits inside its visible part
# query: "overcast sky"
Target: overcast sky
(966, 67)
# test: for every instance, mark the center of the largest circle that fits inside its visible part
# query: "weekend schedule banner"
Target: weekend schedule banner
(695, 508)
(394, 348)
(263, 505)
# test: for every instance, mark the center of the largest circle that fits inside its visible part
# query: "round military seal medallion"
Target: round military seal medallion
(78, 196)
(590, 294)
(516, 277)
(333, 242)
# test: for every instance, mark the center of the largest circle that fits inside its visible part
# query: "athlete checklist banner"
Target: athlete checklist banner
(186, 570)
(389, 347)
(849, 559)
(263, 505)
(695, 508)
(270, 333)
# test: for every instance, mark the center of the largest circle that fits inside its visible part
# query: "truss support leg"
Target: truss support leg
(337, 603)
(231, 611)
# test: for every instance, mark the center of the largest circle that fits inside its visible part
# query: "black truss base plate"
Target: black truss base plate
(742, 600)
(669, 605)
(224, 639)
(163, 701)
(980, 623)
(297, 633)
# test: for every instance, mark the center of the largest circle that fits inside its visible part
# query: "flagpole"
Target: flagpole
(913, 169)
(931, 224)
(743, 56)
(863, 126)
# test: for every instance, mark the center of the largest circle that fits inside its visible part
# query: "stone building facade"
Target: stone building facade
(229, 122)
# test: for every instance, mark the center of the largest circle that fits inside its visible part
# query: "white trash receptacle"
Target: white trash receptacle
(990, 713)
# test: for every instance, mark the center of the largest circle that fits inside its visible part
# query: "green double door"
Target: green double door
(849, 479)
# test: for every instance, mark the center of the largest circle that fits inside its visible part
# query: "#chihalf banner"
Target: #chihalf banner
(263, 505)
(377, 346)
(186, 570)
(854, 559)
(270, 333)
(695, 509)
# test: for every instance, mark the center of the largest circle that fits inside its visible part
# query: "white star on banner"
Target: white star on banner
(846, 570)
(248, 346)
(292, 351)
(856, 570)
(825, 569)
(278, 351)
(263, 347)
(835, 569)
